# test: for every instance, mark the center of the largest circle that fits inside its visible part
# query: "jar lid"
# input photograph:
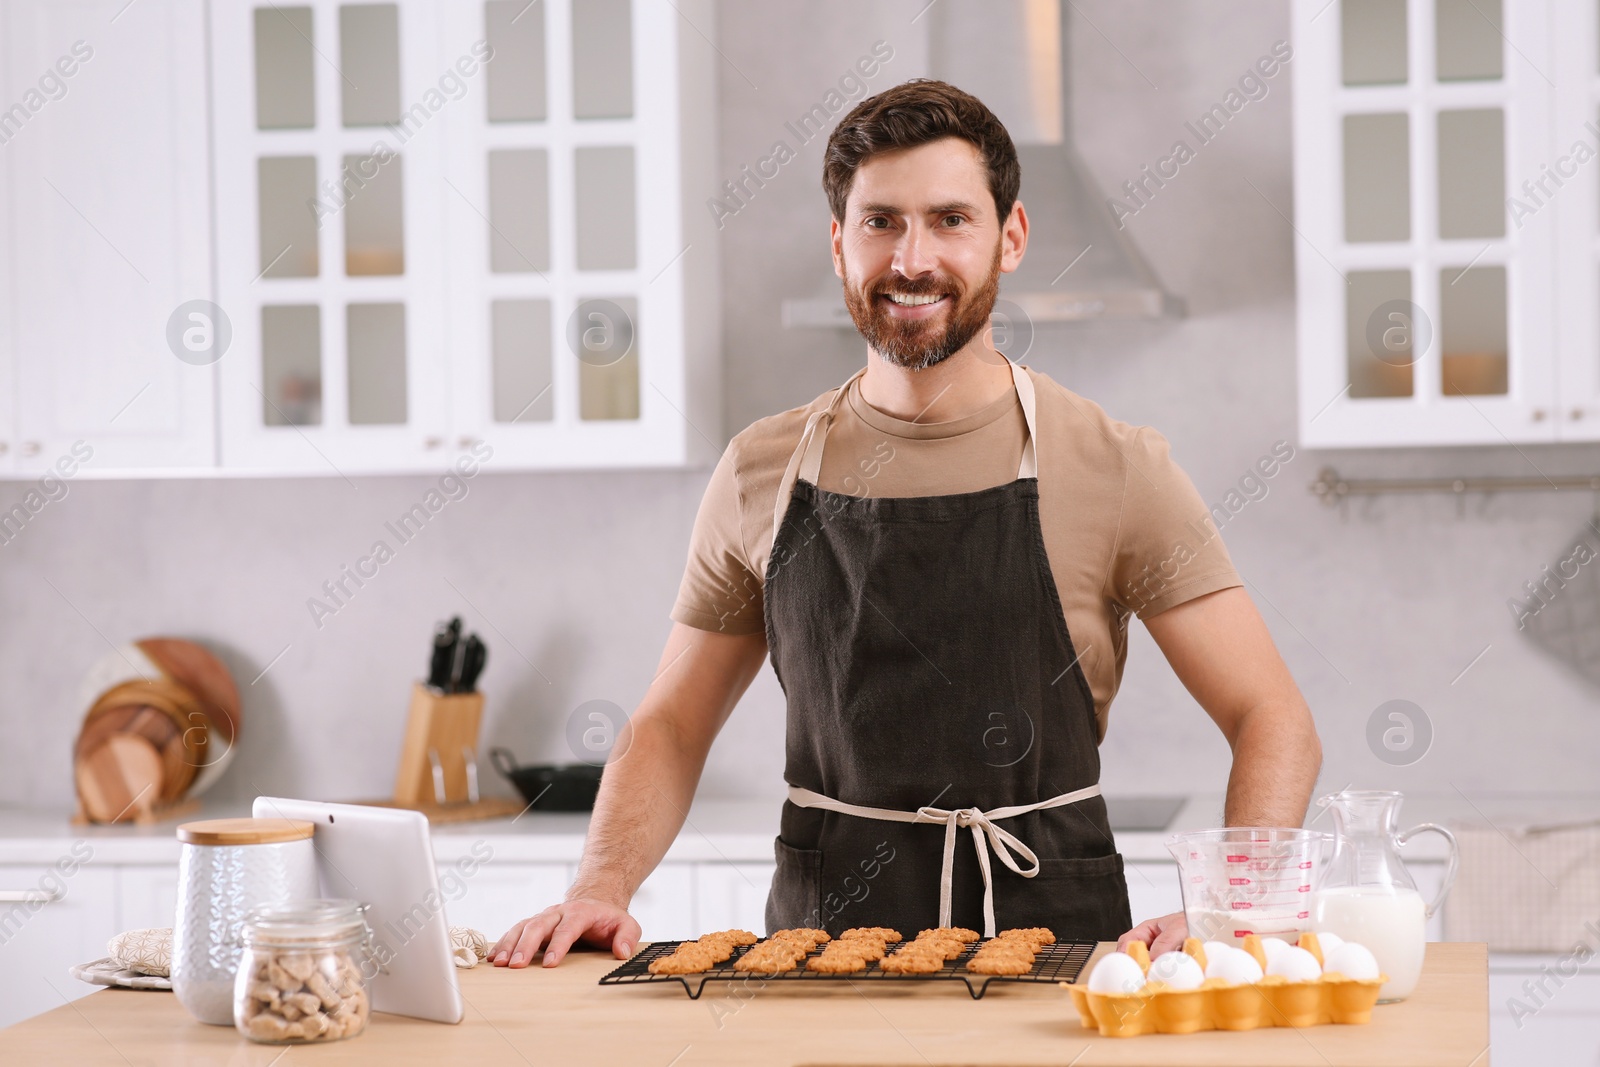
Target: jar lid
(306, 921)
(244, 831)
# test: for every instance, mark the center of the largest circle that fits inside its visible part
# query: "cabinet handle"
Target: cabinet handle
(1538, 414)
(1577, 413)
(30, 448)
(432, 442)
(5, 446)
(467, 442)
(28, 896)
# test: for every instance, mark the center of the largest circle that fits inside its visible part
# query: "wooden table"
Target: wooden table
(560, 1016)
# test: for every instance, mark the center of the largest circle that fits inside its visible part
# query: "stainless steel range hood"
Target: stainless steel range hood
(1079, 266)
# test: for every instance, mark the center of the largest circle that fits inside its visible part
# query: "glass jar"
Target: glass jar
(303, 972)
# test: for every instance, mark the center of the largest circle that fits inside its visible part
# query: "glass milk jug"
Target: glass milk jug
(1368, 896)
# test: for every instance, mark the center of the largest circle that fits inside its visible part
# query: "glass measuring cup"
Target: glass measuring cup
(1242, 880)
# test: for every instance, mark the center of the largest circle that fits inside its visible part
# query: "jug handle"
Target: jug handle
(1450, 868)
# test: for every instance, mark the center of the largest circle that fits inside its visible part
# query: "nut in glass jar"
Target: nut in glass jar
(300, 977)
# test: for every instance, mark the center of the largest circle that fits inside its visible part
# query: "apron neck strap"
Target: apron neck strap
(815, 434)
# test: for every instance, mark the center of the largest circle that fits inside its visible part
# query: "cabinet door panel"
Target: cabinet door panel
(731, 896)
(329, 239)
(110, 204)
(664, 905)
(1153, 890)
(147, 897)
(496, 896)
(64, 920)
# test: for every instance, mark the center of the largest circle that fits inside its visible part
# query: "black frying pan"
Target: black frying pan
(548, 786)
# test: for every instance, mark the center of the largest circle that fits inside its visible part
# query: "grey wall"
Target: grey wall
(570, 576)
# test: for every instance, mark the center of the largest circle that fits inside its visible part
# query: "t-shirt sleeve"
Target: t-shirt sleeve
(719, 591)
(1169, 549)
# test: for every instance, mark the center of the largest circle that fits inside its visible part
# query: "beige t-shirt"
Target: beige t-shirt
(1124, 528)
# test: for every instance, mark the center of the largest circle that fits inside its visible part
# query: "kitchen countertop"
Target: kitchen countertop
(741, 831)
(532, 1015)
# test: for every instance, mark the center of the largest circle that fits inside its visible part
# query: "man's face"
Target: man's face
(921, 251)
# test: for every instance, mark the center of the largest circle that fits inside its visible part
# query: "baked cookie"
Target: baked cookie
(944, 948)
(766, 963)
(866, 948)
(807, 936)
(904, 962)
(732, 937)
(836, 963)
(960, 933)
(681, 962)
(1038, 935)
(881, 933)
(1000, 964)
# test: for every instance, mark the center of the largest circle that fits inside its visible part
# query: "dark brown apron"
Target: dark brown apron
(941, 738)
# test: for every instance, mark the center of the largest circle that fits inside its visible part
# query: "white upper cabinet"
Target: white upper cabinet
(1434, 300)
(442, 222)
(1575, 163)
(104, 235)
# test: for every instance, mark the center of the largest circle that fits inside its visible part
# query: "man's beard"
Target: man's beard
(919, 344)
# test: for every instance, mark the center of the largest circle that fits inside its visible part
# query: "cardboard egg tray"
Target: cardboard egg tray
(1218, 1005)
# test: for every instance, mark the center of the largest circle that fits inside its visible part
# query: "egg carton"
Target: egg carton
(1157, 1008)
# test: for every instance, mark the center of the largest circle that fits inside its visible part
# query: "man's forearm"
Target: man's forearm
(644, 796)
(1276, 757)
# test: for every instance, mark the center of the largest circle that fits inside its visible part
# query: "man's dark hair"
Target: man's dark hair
(913, 113)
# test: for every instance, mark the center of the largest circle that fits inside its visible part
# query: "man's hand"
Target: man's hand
(1165, 934)
(597, 922)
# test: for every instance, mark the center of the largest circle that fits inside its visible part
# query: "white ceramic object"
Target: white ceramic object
(217, 886)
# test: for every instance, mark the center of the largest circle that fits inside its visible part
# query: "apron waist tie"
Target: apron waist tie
(985, 835)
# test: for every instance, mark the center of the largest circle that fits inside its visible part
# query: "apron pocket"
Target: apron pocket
(1084, 899)
(796, 895)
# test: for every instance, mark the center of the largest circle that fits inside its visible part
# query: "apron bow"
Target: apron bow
(985, 836)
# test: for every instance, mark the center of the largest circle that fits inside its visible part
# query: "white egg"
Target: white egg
(1329, 942)
(1117, 972)
(1352, 961)
(1216, 948)
(1178, 969)
(1274, 948)
(1234, 965)
(1295, 964)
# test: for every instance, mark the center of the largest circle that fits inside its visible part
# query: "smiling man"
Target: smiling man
(940, 556)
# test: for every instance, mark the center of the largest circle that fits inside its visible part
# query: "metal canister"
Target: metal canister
(227, 868)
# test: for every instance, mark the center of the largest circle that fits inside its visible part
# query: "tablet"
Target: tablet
(383, 857)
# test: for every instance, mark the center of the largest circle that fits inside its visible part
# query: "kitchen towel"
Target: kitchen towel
(1533, 889)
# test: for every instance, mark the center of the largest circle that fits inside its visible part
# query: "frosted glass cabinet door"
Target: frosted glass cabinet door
(107, 246)
(1425, 295)
(328, 124)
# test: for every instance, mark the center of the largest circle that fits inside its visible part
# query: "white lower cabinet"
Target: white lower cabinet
(732, 896)
(147, 897)
(1530, 1026)
(51, 917)
(496, 896)
(1152, 890)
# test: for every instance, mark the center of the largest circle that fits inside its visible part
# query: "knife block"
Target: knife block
(445, 724)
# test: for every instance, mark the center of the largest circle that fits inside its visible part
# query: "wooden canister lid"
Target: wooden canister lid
(244, 831)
